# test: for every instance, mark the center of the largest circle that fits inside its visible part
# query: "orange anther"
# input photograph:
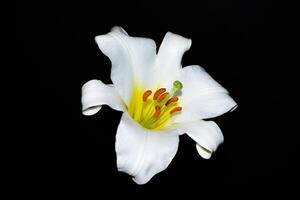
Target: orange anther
(162, 97)
(146, 95)
(158, 93)
(157, 112)
(176, 109)
(173, 99)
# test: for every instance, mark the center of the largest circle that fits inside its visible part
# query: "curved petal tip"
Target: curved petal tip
(203, 152)
(91, 110)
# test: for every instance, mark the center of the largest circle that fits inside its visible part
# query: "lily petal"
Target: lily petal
(95, 94)
(202, 97)
(169, 56)
(142, 153)
(206, 134)
(131, 57)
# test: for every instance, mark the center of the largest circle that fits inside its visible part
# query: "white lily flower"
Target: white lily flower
(160, 100)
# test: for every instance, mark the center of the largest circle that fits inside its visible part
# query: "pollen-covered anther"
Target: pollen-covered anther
(173, 99)
(176, 109)
(158, 93)
(146, 95)
(162, 97)
(157, 112)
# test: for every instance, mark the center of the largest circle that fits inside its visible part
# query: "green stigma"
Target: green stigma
(178, 85)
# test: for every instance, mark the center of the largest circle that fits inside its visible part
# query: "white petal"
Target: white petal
(142, 153)
(202, 97)
(131, 58)
(206, 134)
(95, 94)
(169, 56)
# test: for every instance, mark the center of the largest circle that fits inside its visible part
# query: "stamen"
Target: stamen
(153, 109)
(157, 112)
(176, 109)
(158, 93)
(173, 99)
(146, 95)
(162, 97)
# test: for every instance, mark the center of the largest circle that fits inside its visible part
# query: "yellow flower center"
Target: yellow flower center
(153, 110)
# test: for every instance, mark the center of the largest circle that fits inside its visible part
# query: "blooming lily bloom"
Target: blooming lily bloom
(159, 99)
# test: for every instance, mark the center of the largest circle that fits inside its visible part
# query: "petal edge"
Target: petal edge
(95, 94)
(207, 135)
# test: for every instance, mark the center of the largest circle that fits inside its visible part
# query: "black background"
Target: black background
(244, 45)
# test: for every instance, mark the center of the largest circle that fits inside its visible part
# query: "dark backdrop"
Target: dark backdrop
(244, 45)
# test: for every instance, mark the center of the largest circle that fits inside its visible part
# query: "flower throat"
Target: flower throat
(153, 110)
